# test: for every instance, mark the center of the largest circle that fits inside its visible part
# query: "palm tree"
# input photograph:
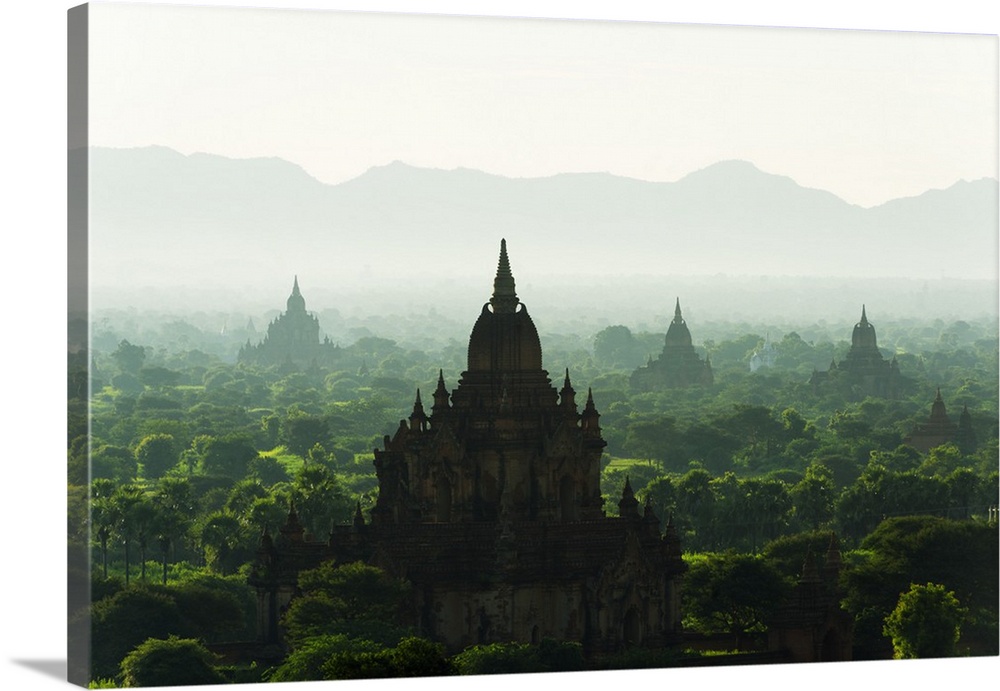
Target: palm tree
(220, 533)
(123, 503)
(102, 515)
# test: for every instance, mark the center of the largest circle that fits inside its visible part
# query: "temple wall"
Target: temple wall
(461, 617)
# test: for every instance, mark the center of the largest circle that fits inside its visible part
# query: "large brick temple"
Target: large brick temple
(490, 505)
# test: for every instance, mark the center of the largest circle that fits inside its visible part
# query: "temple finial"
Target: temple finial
(567, 395)
(864, 317)
(677, 311)
(418, 406)
(295, 302)
(504, 298)
(628, 505)
(440, 394)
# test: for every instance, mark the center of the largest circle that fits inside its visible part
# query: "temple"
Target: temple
(490, 505)
(765, 356)
(292, 339)
(863, 371)
(938, 429)
(811, 626)
(678, 365)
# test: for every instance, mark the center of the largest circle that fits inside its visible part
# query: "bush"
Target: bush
(513, 658)
(925, 623)
(171, 662)
(306, 662)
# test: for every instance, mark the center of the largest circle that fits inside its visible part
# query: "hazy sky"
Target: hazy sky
(868, 115)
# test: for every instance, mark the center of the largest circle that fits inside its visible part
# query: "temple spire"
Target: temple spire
(504, 298)
(628, 505)
(864, 317)
(296, 303)
(440, 394)
(567, 396)
(418, 418)
(590, 417)
(677, 311)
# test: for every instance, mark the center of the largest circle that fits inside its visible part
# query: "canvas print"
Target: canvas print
(430, 345)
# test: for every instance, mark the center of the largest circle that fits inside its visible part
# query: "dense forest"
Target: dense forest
(188, 455)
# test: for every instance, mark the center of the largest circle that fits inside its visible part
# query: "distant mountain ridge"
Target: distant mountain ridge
(163, 211)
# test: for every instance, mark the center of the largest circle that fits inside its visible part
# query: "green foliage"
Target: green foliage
(962, 556)
(305, 662)
(228, 456)
(412, 657)
(267, 470)
(157, 454)
(615, 346)
(813, 497)
(224, 541)
(126, 619)
(169, 662)
(301, 432)
(114, 463)
(352, 598)
(788, 553)
(512, 658)
(728, 462)
(321, 499)
(213, 612)
(731, 592)
(926, 622)
(128, 357)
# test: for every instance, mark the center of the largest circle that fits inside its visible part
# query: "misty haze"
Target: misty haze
(206, 232)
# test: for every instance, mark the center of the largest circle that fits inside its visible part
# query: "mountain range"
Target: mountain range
(158, 216)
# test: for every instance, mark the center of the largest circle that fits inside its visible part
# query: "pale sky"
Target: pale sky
(867, 115)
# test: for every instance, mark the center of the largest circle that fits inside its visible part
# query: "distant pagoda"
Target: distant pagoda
(864, 370)
(764, 356)
(292, 339)
(678, 365)
(938, 429)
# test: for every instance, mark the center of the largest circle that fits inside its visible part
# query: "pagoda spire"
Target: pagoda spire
(677, 311)
(589, 417)
(293, 529)
(418, 418)
(504, 298)
(295, 302)
(567, 396)
(864, 317)
(440, 394)
(628, 505)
